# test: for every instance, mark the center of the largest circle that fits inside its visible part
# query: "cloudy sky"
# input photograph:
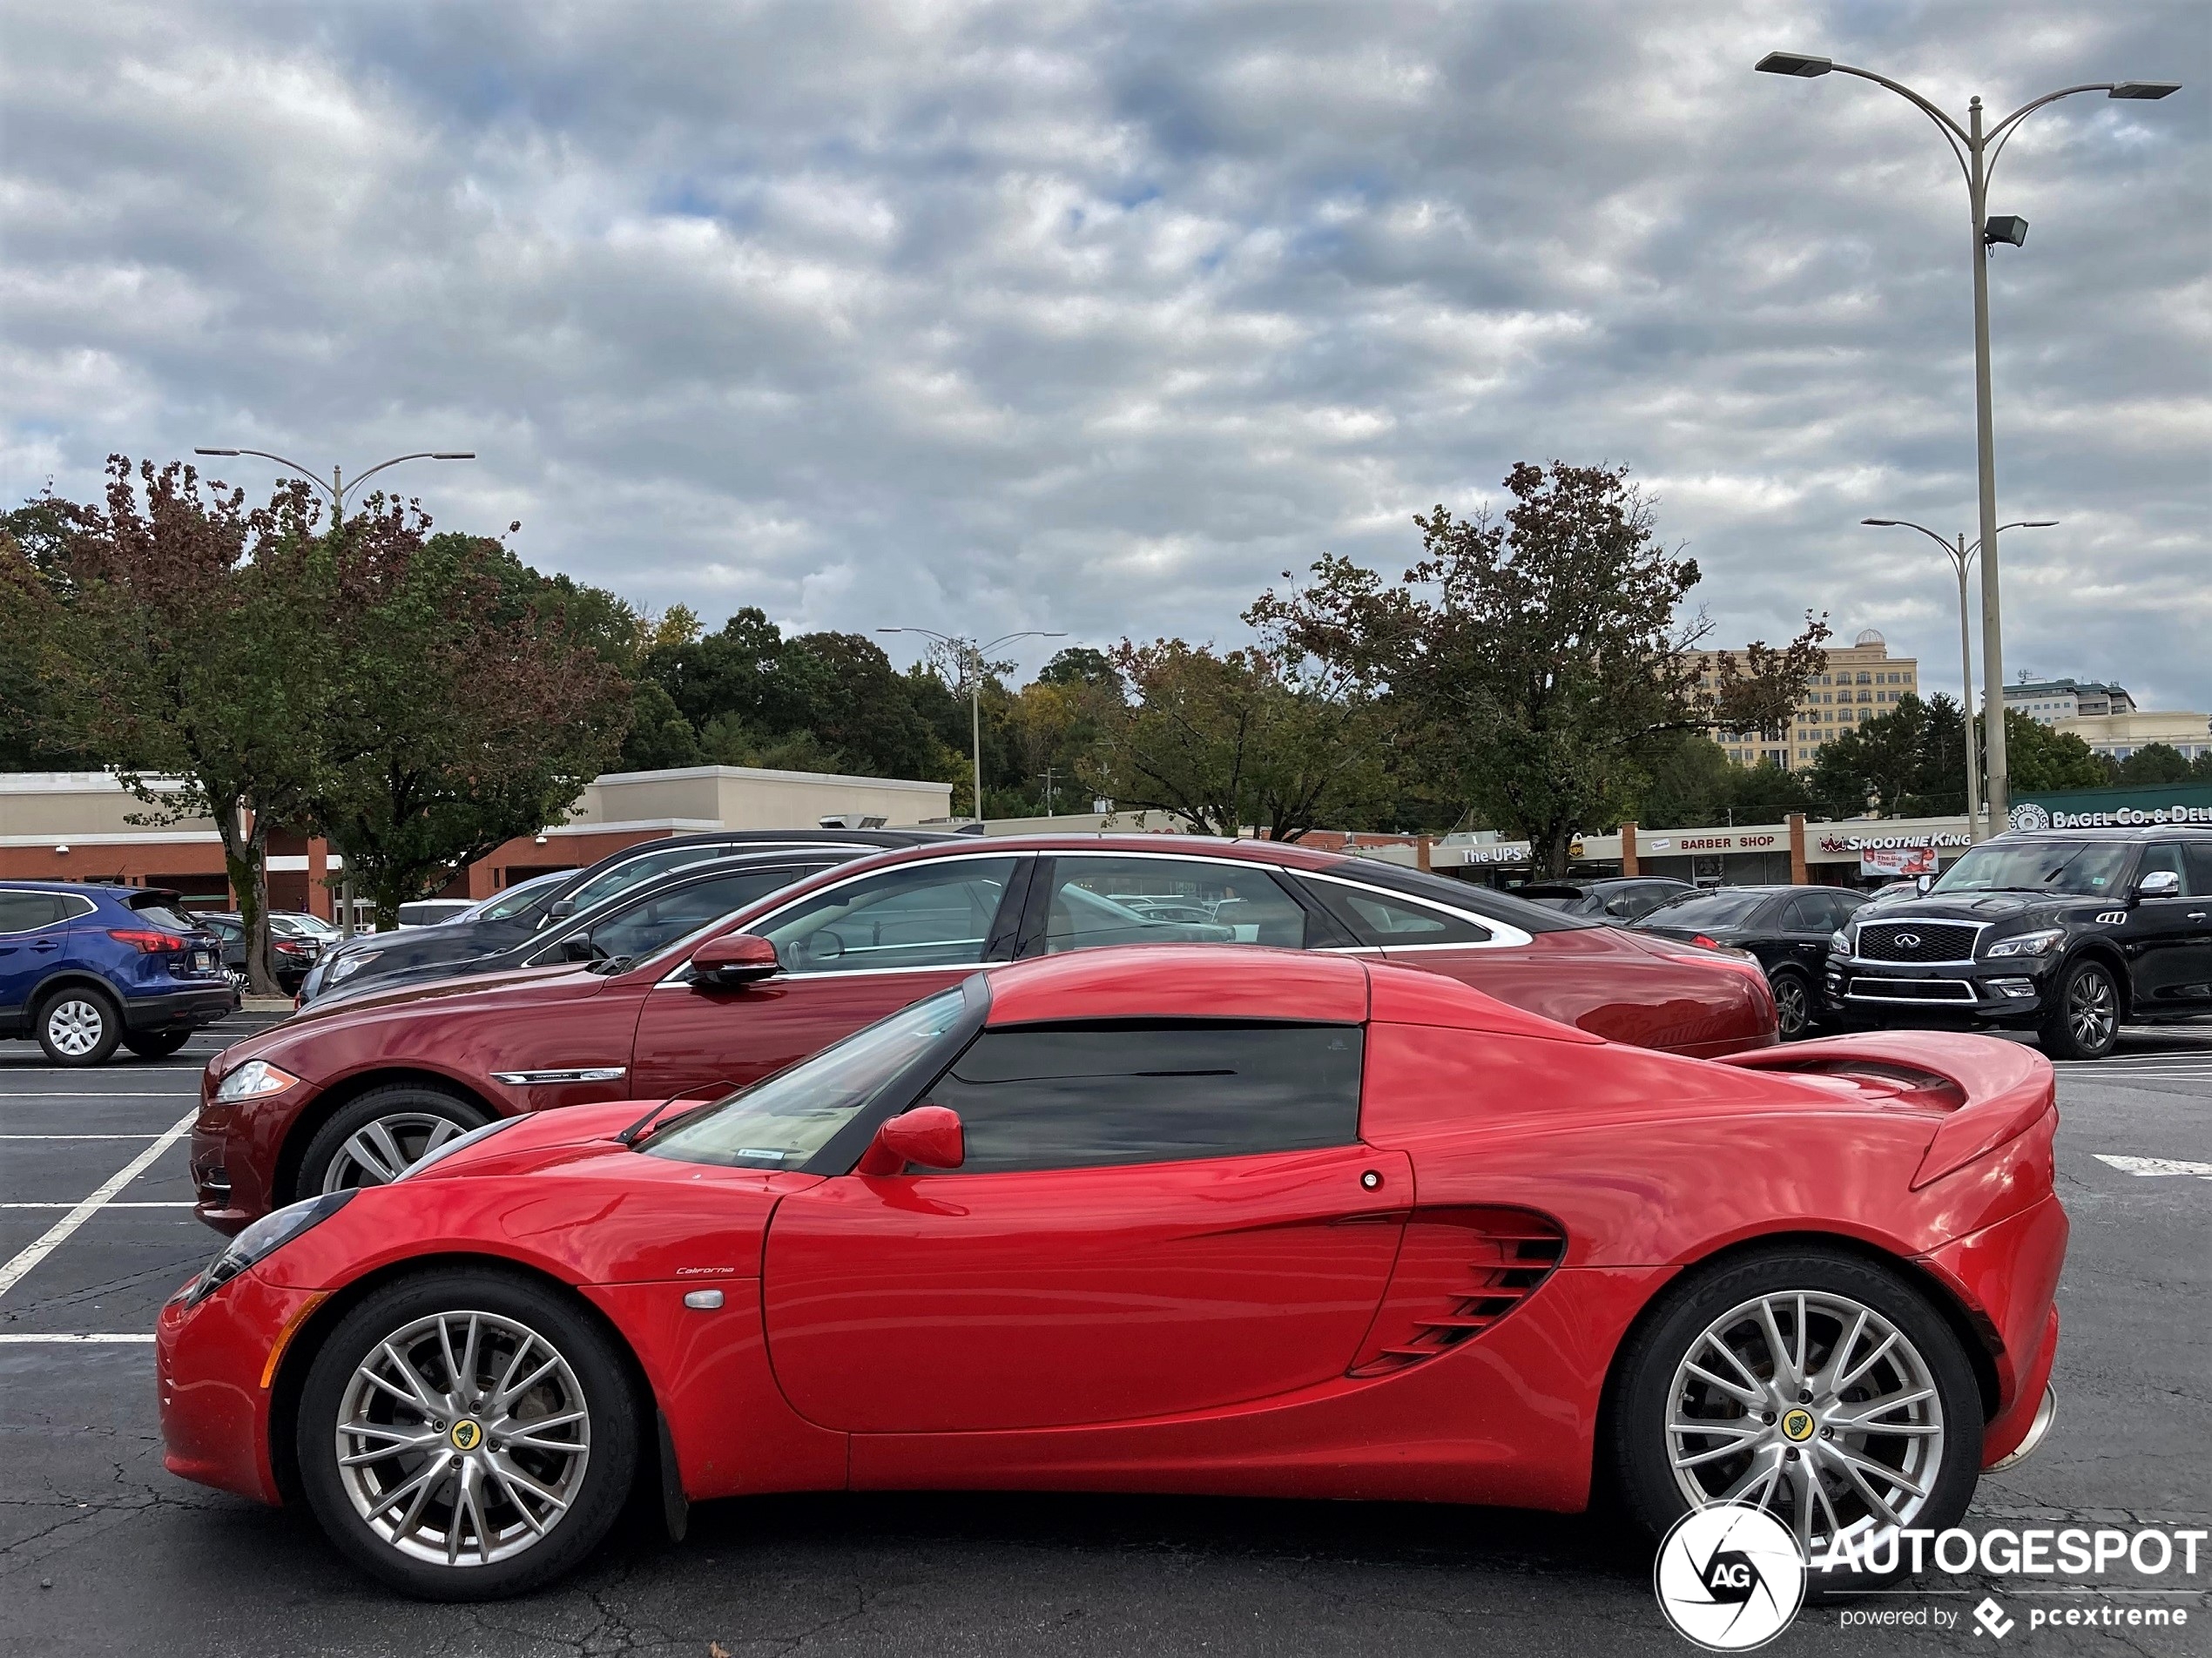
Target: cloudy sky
(1095, 318)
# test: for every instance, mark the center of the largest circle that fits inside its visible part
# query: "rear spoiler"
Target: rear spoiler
(1988, 1089)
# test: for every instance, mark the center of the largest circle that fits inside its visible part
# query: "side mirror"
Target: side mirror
(928, 1135)
(560, 909)
(577, 949)
(734, 959)
(1921, 883)
(2160, 883)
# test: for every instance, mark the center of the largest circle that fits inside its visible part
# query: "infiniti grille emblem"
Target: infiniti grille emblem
(1909, 940)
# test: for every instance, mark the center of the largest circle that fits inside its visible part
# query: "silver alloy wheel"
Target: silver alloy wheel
(1791, 1006)
(2092, 1010)
(75, 1025)
(463, 1439)
(380, 1151)
(1812, 1405)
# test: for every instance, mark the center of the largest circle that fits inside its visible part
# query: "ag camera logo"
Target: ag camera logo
(1730, 1578)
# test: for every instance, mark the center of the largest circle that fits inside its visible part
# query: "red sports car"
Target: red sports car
(357, 1088)
(1157, 1220)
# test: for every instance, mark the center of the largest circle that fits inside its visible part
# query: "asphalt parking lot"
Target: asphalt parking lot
(101, 1551)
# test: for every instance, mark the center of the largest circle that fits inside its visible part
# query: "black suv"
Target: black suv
(2064, 931)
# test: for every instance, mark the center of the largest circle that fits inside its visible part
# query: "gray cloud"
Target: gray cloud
(1095, 318)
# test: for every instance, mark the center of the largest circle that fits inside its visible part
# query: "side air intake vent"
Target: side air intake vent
(1460, 1270)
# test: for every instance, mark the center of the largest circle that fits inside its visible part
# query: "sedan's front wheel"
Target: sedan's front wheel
(466, 1436)
(1819, 1386)
(374, 1140)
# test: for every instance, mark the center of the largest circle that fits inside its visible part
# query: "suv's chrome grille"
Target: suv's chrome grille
(1919, 941)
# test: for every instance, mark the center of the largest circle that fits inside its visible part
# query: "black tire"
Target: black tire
(77, 1025)
(1796, 1008)
(595, 1377)
(155, 1044)
(1642, 1402)
(2083, 1019)
(414, 1116)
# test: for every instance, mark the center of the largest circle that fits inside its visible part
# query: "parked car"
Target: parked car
(296, 943)
(1618, 899)
(1382, 1237)
(638, 920)
(501, 922)
(1785, 928)
(84, 967)
(2069, 934)
(431, 912)
(319, 1102)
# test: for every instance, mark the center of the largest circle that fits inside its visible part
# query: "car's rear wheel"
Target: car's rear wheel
(77, 1025)
(1793, 1003)
(375, 1139)
(467, 1435)
(156, 1044)
(2083, 1021)
(1819, 1386)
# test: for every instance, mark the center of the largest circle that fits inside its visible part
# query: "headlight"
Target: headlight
(457, 1144)
(1839, 941)
(262, 1239)
(2040, 943)
(255, 1079)
(351, 963)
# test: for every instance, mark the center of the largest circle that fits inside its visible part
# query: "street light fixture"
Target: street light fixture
(1961, 555)
(338, 489)
(973, 653)
(1976, 151)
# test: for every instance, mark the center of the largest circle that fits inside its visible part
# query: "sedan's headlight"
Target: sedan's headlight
(1839, 941)
(262, 1239)
(2040, 943)
(351, 963)
(255, 1079)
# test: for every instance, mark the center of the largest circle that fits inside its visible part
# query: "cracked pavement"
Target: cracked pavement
(102, 1551)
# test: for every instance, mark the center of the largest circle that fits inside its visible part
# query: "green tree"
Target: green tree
(466, 713)
(1526, 660)
(1692, 783)
(2040, 758)
(2153, 763)
(1230, 739)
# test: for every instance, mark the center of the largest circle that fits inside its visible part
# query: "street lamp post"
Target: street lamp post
(338, 489)
(1977, 150)
(1961, 555)
(973, 654)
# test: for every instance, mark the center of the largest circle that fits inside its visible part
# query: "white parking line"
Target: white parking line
(102, 1093)
(145, 1205)
(56, 1235)
(2150, 1168)
(12, 1339)
(188, 1122)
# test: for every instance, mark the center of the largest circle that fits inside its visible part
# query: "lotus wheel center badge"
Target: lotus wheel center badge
(1797, 1426)
(466, 1435)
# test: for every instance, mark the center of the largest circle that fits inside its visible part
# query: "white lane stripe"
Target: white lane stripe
(188, 1122)
(57, 1234)
(179, 1204)
(2155, 1166)
(89, 1093)
(13, 1339)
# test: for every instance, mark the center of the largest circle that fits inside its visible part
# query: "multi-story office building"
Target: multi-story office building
(2048, 701)
(1862, 681)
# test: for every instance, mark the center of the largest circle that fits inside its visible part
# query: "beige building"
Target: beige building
(2120, 735)
(1861, 682)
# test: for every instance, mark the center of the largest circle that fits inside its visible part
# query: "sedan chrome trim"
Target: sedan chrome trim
(574, 1074)
(1963, 991)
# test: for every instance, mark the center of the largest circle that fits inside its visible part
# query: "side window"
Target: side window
(73, 906)
(1807, 912)
(923, 915)
(1375, 917)
(649, 924)
(1842, 906)
(2196, 858)
(645, 866)
(2166, 855)
(1097, 901)
(27, 911)
(1071, 1098)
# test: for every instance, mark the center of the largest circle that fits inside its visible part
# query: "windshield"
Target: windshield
(2077, 868)
(783, 1120)
(520, 897)
(1722, 908)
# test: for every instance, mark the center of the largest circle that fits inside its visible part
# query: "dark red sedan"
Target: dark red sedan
(353, 1090)
(1172, 1220)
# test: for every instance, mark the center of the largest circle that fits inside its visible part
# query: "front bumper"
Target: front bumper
(213, 1369)
(2006, 991)
(179, 1009)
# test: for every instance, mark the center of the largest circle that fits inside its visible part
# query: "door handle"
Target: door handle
(2197, 915)
(45, 946)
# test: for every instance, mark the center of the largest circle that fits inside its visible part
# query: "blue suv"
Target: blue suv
(83, 967)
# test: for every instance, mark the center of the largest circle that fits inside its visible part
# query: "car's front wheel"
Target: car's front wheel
(77, 1026)
(466, 1435)
(1819, 1386)
(374, 1140)
(2083, 1020)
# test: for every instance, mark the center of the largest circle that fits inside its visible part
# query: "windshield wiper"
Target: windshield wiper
(648, 1125)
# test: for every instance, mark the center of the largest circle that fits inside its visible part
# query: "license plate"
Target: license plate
(203, 961)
